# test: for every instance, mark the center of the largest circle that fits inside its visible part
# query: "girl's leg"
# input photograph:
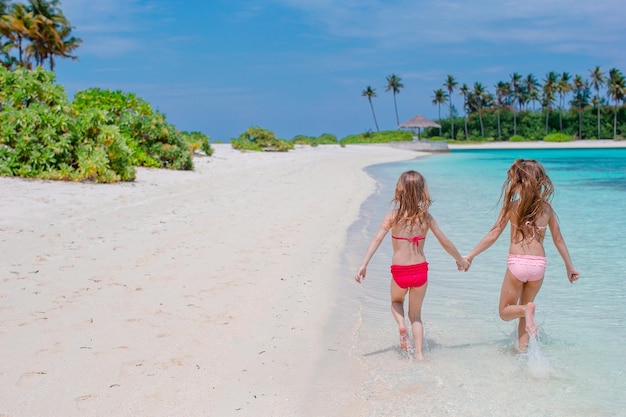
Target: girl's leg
(397, 309)
(509, 297)
(527, 326)
(416, 299)
(516, 303)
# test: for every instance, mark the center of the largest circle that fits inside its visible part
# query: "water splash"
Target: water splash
(537, 362)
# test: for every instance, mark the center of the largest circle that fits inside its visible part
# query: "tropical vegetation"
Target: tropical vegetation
(35, 33)
(100, 136)
(256, 138)
(524, 108)
(323, 139)
(384, 136)
(394, 84)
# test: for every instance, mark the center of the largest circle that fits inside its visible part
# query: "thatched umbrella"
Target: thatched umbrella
(418, 122)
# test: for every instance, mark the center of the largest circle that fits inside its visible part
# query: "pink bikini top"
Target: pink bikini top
(415, 240)
(535, 228)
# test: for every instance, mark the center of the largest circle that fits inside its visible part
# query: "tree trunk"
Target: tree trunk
(615, 122)
(580, 123)
(451, 120)
(395, 105)
(373, 114)
(598, 104)
(466, 134)
(439, 112)
(499, 129)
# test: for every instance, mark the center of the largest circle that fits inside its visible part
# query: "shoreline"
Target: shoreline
(576, 144)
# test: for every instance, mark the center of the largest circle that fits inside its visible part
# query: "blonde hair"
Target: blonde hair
(411, 200)
(527, 180)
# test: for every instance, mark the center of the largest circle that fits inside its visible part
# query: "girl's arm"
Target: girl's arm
(559, 242)
(373, 246)
(447, 244)
(489, 239)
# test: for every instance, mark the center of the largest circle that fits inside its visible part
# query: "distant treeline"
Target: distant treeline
(523, 107)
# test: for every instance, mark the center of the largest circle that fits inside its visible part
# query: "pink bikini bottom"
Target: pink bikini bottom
(527, 267)
(410, 275)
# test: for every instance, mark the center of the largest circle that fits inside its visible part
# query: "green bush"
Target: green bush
(323, 139)
(198, 140)
(518, 138)
(259, 139)
(304, 140)
(379, 137)
(101, 136)
(115, 102)
(35, 124)
(103, 155)
(327, 139)
(557, 137)
(153, 142)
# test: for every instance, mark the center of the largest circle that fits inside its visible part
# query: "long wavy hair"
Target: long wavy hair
(526, 182)
(411, 200)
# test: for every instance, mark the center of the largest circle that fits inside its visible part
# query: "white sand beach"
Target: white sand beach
(200, 293)
(203, 293)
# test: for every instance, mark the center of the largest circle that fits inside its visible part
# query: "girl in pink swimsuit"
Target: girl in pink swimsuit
(409, 221)
(526, 196)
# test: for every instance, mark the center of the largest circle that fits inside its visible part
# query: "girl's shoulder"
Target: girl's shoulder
(389, 217)
(547, 209)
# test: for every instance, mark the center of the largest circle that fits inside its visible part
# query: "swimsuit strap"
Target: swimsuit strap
(534, 229)
(415, 240)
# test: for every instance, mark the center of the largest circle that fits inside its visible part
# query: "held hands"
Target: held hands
(465, 265)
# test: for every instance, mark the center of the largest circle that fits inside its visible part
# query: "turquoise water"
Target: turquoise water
(577, 367)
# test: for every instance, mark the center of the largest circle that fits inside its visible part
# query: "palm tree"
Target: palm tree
(580, 100)
(369, 92)
(532, 88)
(66, 46)
(17, 26)
(464, 91)
(549, 89)
(394, 83)
(450, 85)
(515, 87)
(439, 98)
(503, 91)
(617, 92)
(523, 98)
(52, 33)
(563, 87)
(479, 96)
(597, 81)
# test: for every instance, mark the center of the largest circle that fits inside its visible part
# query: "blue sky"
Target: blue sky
(299, 66)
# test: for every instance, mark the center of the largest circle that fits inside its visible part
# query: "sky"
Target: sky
(299, 67)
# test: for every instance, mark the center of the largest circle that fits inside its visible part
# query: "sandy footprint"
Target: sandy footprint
(83, 398)
(30, 379)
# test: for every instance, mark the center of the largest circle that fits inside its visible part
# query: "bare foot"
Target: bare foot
(529, 313)
(404, 339)
(418, 356)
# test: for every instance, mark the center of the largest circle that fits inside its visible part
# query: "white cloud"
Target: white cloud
(112, 27)
(546, 24)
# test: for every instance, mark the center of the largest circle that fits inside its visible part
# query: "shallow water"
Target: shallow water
(577, 365)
